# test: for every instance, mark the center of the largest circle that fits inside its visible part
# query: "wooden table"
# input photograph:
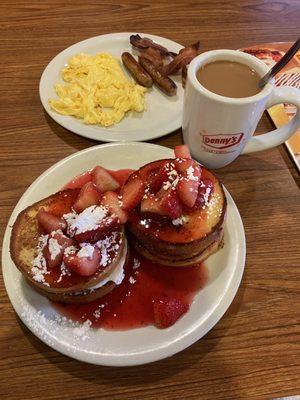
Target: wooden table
(254, 351)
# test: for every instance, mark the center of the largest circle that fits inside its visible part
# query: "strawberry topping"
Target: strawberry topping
(89, 195)
(157, 179)
(205, 191)
(104, 227)
(54, 250)
(111, 200)
(49, 222)
(167, 310)
(182, 151)
(151, 205)
(83, 263)
(189, 182)
(132, 194)
(103, 180)
(169, 202)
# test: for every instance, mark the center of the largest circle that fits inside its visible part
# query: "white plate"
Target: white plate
(138, 346)
(163, 114)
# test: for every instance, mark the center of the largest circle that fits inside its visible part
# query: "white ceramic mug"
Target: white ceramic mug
(217, 128)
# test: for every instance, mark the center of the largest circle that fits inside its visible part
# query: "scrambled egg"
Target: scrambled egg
(97, 90)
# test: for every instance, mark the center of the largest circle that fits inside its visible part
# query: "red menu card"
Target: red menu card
(280, 114)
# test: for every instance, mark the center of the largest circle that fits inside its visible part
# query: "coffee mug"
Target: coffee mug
(217, 128)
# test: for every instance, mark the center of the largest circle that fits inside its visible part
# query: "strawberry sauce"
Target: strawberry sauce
(130, 305)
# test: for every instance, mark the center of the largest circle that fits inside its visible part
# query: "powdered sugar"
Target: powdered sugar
(82, 330)
(63, 272)
(173, 177)
(54, 248)
(190, 174)
(136, 263)
(118, 273)
(87, 250)
(107, 245)
(39, 266)
(183, 219)
(87, 220)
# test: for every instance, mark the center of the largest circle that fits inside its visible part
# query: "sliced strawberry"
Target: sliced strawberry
(205, 191)
(62, 239)
(132, 193)
(107, 225)
(54, 250)
(188, 191)
(189, 183)
(182, 151)
(49, 222)
(89, 195)
(103, 180)
(151, 204)
(183, 164)
(170, 203)
(111, 200)
(167, 310)
(84, 266)
(157, 179)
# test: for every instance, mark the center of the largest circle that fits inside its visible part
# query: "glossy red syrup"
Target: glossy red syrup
(130, 305)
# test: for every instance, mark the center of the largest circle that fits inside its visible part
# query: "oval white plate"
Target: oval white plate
(138, 346)
(163, 113)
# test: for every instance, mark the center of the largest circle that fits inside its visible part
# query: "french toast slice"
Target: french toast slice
(181, 244)
(80, 297)
(25, 238)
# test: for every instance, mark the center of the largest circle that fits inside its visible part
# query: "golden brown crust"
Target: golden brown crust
(24, 240)
(75, 297)
(162, 259)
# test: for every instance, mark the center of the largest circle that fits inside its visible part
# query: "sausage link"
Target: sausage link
(163, 82)
(136, 70)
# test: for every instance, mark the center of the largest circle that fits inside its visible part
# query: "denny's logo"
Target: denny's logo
(222, 141)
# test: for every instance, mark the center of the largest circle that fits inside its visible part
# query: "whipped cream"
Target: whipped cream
(118, 274)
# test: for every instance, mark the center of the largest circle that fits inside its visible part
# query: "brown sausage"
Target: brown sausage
(136, 70)
(163, 82)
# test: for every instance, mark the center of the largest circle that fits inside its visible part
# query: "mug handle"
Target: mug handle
(274, 138)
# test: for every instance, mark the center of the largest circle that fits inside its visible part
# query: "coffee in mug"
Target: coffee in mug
(219, 122)
(229, 79)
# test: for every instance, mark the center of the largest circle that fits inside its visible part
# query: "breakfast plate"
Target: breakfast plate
(162, 115)
(135, 346)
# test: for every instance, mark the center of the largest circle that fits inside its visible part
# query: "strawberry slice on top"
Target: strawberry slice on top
(164, 203)
(54, 249)
(89, 195)
(189, 182)
(104, 227)
(132, 193)
(103, 180)
(182, 151)
(157, 179)
(85, 262)
(170, 203)
(152, 205)
(49, 222)
(167, 310)
(111, 200)
(205, 190)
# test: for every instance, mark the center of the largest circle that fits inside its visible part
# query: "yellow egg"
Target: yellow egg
(97, 90)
